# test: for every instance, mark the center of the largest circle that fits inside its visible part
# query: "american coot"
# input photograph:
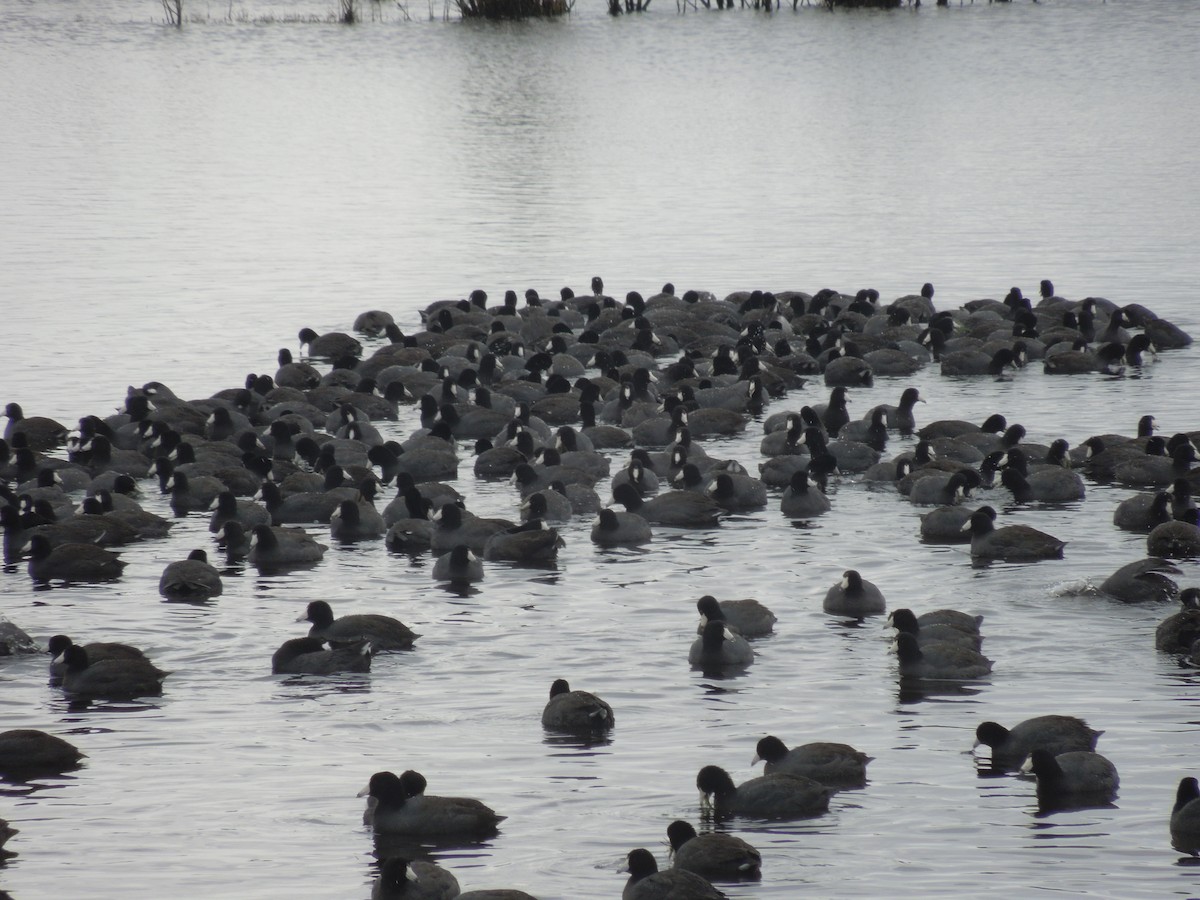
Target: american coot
(41, 433)
(736, 492)
(373, 322)
(71, 562)
(496, 894)
(941, 489)
(1179, 631)
(96, 651)
(310, 656)
(531, 542)
(939, 661)
(1074, 778)
(356, 521)
(1050, 485)
(953, 617)
(834, 765)
(803, 500)
(900, 417)
(933, 632)
(227, 507)
(647, 883)
(1177, 539)
(277, 547)
(191, 579)
(1012, 542)
(777, 796)
(725, 857)
(747, 617)
(459, 565)
(548, 505)
(575, 711)
(396, 810)
(400, 879)
(453, 526)
(613, 528)
(1142, 580)
(383, 633)
(234, 540)
(112, 679)
(331, 345)
(718, 646)
(681, 509)
(1057, 734)
(1142, 512)
(1185, 817)
(29, 751)
(193, 493)
(854, 596)
(945, 525)
(14, 641)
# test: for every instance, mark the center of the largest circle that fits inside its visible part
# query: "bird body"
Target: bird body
(396, 811)
(575, 711)
(832, 764)
(383, 633)
(1055, 733)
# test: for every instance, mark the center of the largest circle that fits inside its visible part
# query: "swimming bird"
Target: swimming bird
(681, 509)
(1143, 580)
(736, 492)
(71, 562)
(191, 579)
(832, 764)
(1177, 539)
(803, 500)
(854, 596)
(1142, 512)
(1012, 542)
(613, 528)
(458, 565)
(275, 546)
(715, 854)
(718, 646)
(1078, 776)
(356, 521)
(747, 617)
(646, 882)
(402, 879)
(1056, 734)
(310, 656)
(395, 810)
(112, 678)
(383, 633)
(1048, 485)
(939, 661)
(27, 751)
(533, 541)
(933, 632)
(776, 796)
(41, 433)
(1185, 816)
(942, 488)
(575, 711)
(1179, 631)
(331, 345)
(14, 641)
(96, 651)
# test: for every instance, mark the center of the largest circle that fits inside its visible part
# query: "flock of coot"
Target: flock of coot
(576, 400)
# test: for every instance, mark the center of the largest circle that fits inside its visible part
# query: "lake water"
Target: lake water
(178, 204)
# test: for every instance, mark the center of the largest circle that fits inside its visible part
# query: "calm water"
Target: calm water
(177, 205)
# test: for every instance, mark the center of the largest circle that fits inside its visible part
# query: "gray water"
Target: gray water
(178, 204)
